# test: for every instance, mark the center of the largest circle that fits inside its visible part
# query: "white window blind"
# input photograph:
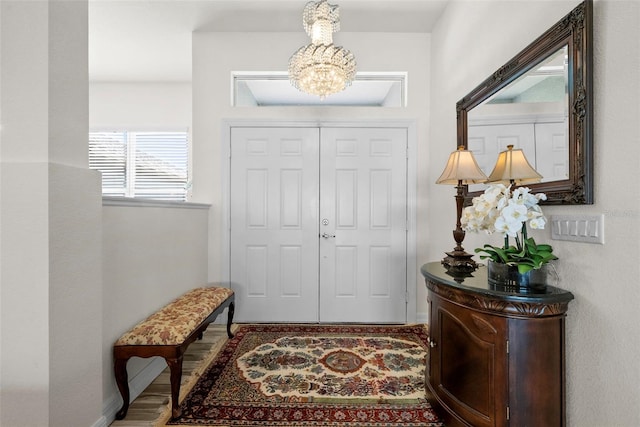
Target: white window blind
(151, 165)
(108, 154)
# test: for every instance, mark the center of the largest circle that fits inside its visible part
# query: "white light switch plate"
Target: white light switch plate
(578, 228)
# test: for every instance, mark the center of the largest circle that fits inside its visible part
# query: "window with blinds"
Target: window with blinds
(150, 165)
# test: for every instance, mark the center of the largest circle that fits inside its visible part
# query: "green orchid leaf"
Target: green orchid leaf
(530, 256)
(524, 268)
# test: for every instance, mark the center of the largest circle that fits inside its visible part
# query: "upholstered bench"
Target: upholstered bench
(167, 333)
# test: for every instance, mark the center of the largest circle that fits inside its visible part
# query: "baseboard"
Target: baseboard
(422, 317)
(102, 422)
(136, 386)
(109, 409)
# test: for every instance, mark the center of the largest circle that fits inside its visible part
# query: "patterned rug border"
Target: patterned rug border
(225, 349)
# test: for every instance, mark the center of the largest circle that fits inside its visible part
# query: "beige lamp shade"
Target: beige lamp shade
(513, 167)
(461, 168)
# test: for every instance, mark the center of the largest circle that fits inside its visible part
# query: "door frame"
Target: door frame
(412, 181)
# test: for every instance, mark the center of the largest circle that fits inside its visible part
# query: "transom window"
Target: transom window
(149, 165)
(273, 89)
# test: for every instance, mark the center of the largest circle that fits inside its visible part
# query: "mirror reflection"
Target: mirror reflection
(531, 113)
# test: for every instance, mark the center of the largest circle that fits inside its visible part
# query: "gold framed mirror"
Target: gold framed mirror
(540, 101)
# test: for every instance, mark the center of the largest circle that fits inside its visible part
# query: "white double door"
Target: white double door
(318, 224)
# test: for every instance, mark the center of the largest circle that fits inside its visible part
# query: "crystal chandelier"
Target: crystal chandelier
(321, 68)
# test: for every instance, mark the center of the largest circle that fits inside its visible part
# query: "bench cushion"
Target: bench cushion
(177, 320)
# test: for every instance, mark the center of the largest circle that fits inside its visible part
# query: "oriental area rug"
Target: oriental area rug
(314, 375)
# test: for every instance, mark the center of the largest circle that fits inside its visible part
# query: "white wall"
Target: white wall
(152, 252)
(216, 55)
(50, 220)
(158, 105)
(151, 255)
(473, 39)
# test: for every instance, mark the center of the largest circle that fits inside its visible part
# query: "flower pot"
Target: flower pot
(508, 277)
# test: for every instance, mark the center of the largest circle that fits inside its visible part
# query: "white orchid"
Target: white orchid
(508, 212)
(538, 223)
(511, 218)
(500, 209)
(484, 211)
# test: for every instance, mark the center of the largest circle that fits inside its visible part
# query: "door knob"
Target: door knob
(326, 236)
(432, 343)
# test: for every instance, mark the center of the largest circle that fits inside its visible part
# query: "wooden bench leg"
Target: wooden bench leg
(120, 368)
(232, 309)
(175, 367)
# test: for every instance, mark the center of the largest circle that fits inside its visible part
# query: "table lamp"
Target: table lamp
(462, 169)
(512, 167)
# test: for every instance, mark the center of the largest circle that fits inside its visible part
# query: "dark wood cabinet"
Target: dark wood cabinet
(497, 357)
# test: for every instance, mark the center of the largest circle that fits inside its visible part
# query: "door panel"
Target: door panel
(363, 200)
(552, 151)
(274, 223)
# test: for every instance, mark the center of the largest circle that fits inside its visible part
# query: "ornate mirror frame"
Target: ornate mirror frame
(575, 31)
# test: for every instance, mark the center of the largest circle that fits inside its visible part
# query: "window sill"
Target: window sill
(149, 203)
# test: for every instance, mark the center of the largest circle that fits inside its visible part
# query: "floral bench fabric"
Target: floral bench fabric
(176, 321)
(167, 334)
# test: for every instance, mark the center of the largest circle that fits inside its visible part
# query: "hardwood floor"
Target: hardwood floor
(153, 402)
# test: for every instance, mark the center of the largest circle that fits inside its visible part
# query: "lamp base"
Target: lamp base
(459, 262)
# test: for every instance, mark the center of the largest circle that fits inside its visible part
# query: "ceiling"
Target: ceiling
(150, 40)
